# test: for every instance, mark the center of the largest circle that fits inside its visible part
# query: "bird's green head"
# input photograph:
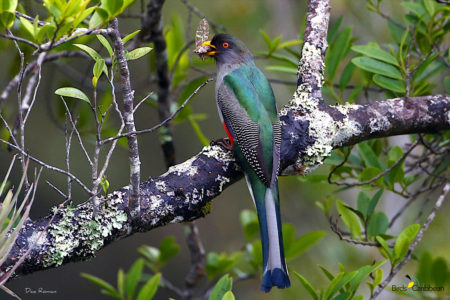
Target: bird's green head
(227, 49)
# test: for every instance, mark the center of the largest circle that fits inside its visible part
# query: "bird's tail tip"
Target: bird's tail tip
(275, 277)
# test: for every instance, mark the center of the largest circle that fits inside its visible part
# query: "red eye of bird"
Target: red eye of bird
(225, 45)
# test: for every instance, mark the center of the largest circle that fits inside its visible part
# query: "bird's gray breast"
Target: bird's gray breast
(244, 130)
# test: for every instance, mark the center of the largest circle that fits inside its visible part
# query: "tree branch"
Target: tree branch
(128, 116)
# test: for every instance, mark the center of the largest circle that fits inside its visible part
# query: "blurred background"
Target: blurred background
(220, 230)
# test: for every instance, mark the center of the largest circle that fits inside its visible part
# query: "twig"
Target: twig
(197, 253)
(47, 165)
(31, 66)
(334, 227)
(39, 74)
(19, 39)
(57, 190)
(19, 107)
(413, 245)
(216, 27)
(179, 55)
(40, 23)
(77, 133)
(170, 118)
(122, 126)
(142, 101)
(369, 181)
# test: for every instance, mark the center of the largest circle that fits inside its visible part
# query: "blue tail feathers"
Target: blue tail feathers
(276, 277)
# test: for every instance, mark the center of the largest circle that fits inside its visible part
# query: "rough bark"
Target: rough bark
(310, 130)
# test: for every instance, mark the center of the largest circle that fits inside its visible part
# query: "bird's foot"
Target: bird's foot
(224, 143)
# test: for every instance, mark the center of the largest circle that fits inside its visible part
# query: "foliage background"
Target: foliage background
(220, 230)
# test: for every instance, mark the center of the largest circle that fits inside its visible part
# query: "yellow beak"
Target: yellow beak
(212, 52)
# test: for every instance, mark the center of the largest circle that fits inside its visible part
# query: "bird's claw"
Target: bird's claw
(224, 143)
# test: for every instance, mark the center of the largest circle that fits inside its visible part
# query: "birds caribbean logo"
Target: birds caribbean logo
(413, 282)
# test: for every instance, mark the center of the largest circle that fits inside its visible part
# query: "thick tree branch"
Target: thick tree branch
(310, 130)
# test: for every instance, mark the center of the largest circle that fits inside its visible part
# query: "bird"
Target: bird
(248, 112)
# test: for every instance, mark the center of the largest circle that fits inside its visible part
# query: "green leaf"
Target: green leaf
(222, 286)
(99, 17)
(378, 277)
(130, 36)
(337, 51)
(439, 271)
(327, 273)
(350, 219)
(249, 222)
(375, 52)
(45, 31)
(395, 153)
(369, 173)
(284, 69)
(385, 251)
(377, 67)
(333, 30)
(149, 289)
(369, 157)
(289, 44)
(424, 272)
(138, 53)
(217, 264)
(346, 76)
(374, 201)
(266, 38)
(72, 92)
(105, 44)
(228, 296)
(307, 286)
(112, 6)
(415, 8)
(355, 93)
(152, 254)
(133, 277)
(168, 249)
(8, 5)
(7, 19)
(404, 240)
(362, 273)
(274, 44)
(28, 26)
(378, 224)
(397, 86)
(447, 84)
(92, 53)
(99, 67)
(197, 130)
(429, 5)
(338, 282)
(100, 282)
(363, 203)
(301, 244)
(81, 17)
(121, 282)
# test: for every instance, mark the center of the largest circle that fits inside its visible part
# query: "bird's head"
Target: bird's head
(227, 49)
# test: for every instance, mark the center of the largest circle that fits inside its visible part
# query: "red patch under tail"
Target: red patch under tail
(228, 133)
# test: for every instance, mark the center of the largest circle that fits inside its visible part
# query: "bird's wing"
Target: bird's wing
(248, 106)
